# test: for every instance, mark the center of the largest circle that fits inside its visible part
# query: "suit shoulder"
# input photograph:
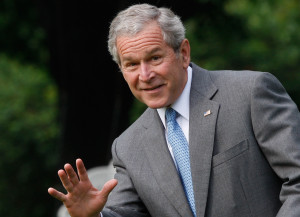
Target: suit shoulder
(240, 79)
(129, 144)
(138, 126)
(229, 79)
(236, 74)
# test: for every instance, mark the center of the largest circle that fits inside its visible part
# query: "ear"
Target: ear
(185, 52)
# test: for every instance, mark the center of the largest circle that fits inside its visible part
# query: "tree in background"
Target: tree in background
(22, 35)
(29, 138)
(249, 34)
(29, 127)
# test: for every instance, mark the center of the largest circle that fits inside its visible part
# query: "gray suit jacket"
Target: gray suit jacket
(245, 155)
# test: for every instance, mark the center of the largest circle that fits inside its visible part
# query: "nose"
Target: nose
(146, 73)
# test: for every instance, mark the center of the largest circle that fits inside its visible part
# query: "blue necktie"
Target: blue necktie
(180, 148)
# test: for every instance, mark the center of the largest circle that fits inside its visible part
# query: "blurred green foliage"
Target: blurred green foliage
(29, 139)
(22, 35)
(250, 34)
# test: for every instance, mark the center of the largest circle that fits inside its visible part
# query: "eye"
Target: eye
(155, 58)
(130, 66)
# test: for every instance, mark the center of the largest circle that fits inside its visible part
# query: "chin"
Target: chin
(156, 105)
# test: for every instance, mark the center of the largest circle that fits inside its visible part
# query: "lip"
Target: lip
(153, 89)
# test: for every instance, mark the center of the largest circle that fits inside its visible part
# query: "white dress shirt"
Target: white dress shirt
(182, 107)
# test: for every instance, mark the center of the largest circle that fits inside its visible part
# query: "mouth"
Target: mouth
(152, 89)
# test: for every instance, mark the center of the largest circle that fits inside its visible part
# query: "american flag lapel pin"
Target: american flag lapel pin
(208, 112)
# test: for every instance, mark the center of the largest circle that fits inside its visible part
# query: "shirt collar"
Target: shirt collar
(182, 104)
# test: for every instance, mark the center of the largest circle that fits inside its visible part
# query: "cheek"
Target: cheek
(176, 82)
(130, 79)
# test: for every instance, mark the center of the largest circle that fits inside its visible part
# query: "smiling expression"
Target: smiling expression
(155, 74)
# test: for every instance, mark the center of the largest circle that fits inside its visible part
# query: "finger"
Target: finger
(71, 174)
(56, 194)
(108, 187)
(83, 176)
(65, 180)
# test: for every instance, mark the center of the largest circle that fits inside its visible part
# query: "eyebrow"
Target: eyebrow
(154, 50)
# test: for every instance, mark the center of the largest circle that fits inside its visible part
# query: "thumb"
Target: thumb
(108, 187)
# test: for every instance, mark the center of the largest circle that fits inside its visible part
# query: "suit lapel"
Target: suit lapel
(202, 133)
(162, 165)
(201, 148)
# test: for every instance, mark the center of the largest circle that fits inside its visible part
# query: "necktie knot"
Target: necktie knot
(170, 115)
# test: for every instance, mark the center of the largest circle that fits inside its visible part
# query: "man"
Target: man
(211, 143)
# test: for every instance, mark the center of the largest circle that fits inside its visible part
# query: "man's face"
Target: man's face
(155, 74)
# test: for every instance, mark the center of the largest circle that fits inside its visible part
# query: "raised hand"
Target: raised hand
(82, 198)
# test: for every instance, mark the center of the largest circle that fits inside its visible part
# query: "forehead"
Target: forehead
(150, 37)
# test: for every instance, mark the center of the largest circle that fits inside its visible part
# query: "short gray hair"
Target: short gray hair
(131, 21)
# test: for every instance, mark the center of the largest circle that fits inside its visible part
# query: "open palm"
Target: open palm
(82, 198)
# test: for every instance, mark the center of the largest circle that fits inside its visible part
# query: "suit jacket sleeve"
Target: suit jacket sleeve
(276, 124)
(124, 200)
